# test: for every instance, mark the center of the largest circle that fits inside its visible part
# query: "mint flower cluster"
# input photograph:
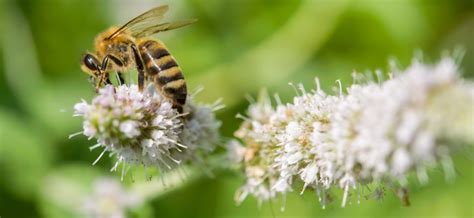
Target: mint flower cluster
(142, 128)
(378, 132)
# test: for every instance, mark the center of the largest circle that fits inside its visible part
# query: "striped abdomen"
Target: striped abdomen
(163, 70)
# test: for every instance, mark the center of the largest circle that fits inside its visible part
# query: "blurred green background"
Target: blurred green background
(237, 47)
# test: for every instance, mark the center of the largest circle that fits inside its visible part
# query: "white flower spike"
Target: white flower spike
(377, 132)
(142, 128)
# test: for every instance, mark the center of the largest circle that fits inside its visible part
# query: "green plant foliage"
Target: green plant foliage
(236, 48)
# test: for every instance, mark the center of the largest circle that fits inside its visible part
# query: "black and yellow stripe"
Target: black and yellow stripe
(162, 68)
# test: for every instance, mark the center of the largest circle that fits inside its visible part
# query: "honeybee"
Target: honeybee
(119, 49)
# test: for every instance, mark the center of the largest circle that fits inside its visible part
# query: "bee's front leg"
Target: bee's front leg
(105, 62)
(104, 76)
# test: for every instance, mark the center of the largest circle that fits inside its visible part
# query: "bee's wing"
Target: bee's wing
(149, 18)
(146, 30)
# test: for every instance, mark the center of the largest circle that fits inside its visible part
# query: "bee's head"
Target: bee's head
(91, 65)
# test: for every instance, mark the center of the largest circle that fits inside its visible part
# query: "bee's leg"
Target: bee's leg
(141, 80)
(100, 81)
(107, 79)
(105, 62)
(103, 68)
(120, 78)
(140, 67)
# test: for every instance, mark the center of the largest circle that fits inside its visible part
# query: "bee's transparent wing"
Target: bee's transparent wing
(149, 18)
(146, 30)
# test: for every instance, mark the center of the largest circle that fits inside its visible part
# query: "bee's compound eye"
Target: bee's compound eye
(90, 62)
